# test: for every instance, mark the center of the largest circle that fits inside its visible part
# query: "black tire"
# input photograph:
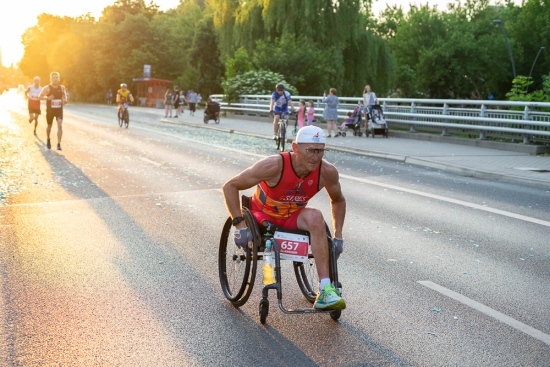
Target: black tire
(307, 278)
(126, 118)
(120, 120)
(264, 310)
(205, 119)
(282, 136)
(344, 134)
(335, 315)
(217, 120)
(237, 267)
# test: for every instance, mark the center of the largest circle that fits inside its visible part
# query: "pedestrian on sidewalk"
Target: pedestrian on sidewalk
(168, 96)
(369, 100)
(301, 114)
(176, 100)
(310, 113)
(330, 114)
(192, 99)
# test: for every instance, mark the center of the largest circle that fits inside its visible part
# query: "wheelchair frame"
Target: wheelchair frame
(238, 287)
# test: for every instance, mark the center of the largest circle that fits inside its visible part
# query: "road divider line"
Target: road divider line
(450, 200)
(150, 161)
(397, 188)
(518, 325)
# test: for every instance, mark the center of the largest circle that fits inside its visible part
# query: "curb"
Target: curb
(394, 157)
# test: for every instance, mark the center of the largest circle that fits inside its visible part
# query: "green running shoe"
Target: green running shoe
(328, 299)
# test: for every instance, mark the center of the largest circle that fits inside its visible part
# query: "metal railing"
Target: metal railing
(528, 122)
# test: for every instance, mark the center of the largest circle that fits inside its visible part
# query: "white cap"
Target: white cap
(311, 134)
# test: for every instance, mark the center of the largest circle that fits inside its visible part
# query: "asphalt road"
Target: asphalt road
(108, 256)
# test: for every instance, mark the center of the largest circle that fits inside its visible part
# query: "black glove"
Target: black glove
(242, 236)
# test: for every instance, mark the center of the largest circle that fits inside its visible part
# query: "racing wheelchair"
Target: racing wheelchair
(237, 267)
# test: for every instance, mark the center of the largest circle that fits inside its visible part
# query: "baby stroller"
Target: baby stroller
(377, 123)
(212, 111)
(353, 121)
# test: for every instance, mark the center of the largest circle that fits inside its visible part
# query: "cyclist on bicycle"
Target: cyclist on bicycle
(284, 184)
(280, 100)
(123, 95)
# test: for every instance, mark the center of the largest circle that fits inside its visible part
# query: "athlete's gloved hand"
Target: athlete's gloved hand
(338, 246)
(242, 236)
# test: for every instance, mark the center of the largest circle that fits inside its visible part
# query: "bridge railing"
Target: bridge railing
(528, 122)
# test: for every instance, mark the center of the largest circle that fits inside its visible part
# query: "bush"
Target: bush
(254, 82)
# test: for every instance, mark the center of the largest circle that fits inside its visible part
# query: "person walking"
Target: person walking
(55, 97)
(301, 114)
(176, 100)
(369, 100)
(33, 92)
(192, 98)
(330, 114)
(109, 97)
(168, 96)
(310, 113)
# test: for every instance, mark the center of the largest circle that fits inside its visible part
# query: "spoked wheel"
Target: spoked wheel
(264, 310)
(307, 278)
(120, 119)
(237, 267)
(126, 118)
(282, 137)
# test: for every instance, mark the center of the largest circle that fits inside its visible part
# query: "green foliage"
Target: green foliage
(254, 82)
(310, 68)
(519, 90)
(239, 64)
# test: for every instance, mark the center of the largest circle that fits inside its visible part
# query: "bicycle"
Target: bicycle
(124, 115)
(281, 137)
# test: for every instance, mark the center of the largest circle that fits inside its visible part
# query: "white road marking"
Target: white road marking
(370, 182)
(518, 325)
(450, 200)
(150, 161)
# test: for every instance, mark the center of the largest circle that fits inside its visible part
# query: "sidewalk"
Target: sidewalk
(466, 160)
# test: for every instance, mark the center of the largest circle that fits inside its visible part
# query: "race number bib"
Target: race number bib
(292, 246)
(56, 103)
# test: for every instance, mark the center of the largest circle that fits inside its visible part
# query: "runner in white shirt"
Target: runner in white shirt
(33, 92)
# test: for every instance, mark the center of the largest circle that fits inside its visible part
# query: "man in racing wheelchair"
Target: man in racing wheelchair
(284, 184)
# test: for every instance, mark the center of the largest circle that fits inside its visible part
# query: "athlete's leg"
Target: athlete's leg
(312, 220)
(59, 129)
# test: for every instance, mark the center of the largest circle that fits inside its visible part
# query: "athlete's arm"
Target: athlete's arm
(64, 94)
(271, 104)
(331, 181)
(44, 92)
(268, 169)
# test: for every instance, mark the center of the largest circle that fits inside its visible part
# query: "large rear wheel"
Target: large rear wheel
(237, 267)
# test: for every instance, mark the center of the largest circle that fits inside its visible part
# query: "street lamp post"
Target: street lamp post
(499, 22)
(533, 66)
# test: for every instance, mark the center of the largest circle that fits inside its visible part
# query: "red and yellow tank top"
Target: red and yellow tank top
(290, 194)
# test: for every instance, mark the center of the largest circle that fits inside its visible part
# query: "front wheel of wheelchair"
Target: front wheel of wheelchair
(237, 267)
(205, 119)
